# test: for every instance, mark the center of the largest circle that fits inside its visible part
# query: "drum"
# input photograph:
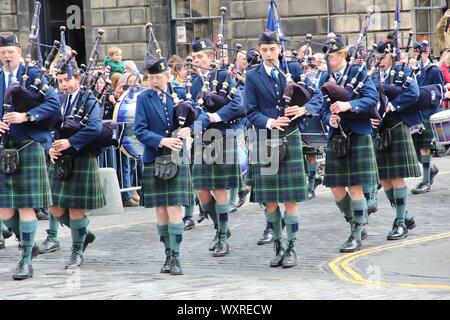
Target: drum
(417, 128)
(440, 124)
(124, 113)
(314, 132)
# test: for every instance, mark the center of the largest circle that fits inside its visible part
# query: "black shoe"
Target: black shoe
(2, 244)
(166, 267)
(277, 261)
(175, 268)
(49, 245)
(364, 234)
(201, 216)
(213, 244)
(267, 237)
(233, 208)
(317, 181)
(311, 194)
(351, 245)
(372, 210)
(6, 233)
(222, 248)
(42, 214)
(90, 237)
(290, 256)
(35, 251)
(399, 231)
(188, 223)
(76, 259)
(433, 174)
(410, 224)
(242, 197)
(421, 188)
(23, 271)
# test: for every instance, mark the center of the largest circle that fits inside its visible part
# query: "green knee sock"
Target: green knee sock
(291, 225)
(233, 196)
(164, 236)
(401, 195)
(79, 231)
(312, 169)
(53, 227)
(27, 233)
(274, 222)
(176, 236)
(369, 194)
(390, 196)
(360, 217)
(210, 208)
(13, 224)
(222, 212)
(426, 168)
(345, 205)
(1, 230)
(189, 211)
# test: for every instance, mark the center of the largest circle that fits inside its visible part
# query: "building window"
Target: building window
(428, 13)
(193, 19)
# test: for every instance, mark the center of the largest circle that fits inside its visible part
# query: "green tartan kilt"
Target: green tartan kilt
(425, 139)
(400, 161)
(167, 193)
(82, 190)
(217, 176)
(29, 186)
(358, 168)
(286, 185)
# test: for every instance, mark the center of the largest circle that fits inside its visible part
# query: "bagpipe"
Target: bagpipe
(184, 111)
(18, 97)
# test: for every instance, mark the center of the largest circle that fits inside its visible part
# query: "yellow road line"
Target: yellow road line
(341, 265)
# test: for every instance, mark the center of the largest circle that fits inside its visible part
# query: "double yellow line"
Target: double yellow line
(343, 270)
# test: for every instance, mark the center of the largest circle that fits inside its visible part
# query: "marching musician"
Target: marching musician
(358, 166)
(264, 90)
(219, 174)
(28, 187)
(427, 74)
(154, 126)
(81, 189)
(399, 161)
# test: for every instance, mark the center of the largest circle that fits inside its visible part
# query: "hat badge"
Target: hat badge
(162, 65)
(203, 44)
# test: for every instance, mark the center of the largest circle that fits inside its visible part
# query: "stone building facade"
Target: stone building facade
(183, 20)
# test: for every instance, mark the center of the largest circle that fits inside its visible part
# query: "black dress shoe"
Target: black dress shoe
(351, 245)
(317, 181)
(290, 256)
(222, 248)
(201, 216)
(35, 251)
(410, 224)
(188, 223)
(42, 214)
(311, 194)
(175, 268)
(6, 233)
(277, 261)
(213, 243)
(49, 245)
(421, 188)
(433, 174)
(242, 197)
(76, 259)
(2, 244)
(166, 267)
(399, 231)
(233, 208)
(372, 210)
(364, 234)
(23, 271)
(266, 238)
(90, 237)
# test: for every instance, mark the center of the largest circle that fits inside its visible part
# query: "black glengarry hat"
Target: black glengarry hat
(202, 44)
(7, 40)
(333, 41)
(268, 37)
(156, 65)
